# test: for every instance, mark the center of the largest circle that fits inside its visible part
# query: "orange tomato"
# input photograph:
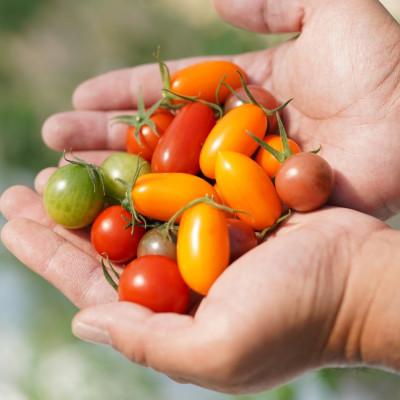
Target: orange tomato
(202, 246)
(148, 138)
(202, 79)
(270, 164)
(245, 186)
(230, 134)
(160, 195)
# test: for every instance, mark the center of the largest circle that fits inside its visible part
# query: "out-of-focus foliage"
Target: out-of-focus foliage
(47, 48)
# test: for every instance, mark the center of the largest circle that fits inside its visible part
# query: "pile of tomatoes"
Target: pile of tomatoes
(208, 172)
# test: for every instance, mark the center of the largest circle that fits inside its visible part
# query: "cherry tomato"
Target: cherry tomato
(241, 238)
(155, 242)
(203, 246)
(230, 134)
(305, 181)
(148, 138)
(154, 282)
(270, 164)
(178, 150)
(160, 196)
(263, 96)
(202, 79)
(246, 186)
(72, 197)
(111, 236)
(121, 166)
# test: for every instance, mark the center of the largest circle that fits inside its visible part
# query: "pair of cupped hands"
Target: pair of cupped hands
(323, 289)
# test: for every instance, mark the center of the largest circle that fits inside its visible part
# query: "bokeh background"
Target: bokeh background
(47, 48)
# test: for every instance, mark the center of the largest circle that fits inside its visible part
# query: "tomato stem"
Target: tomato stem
(262, 234)
(107, 275)
(218, 89)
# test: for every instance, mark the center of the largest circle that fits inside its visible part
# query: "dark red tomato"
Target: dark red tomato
(304, 182)
(178, 150)
(241, 238)
(112, 238)
(148, 138)
(263, 96)
(154, 282)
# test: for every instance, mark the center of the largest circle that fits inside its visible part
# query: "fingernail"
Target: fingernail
(91, 333)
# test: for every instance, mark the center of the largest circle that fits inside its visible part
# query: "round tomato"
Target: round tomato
(230, 134)
(241, 238)
(121, 167)
(245, 186)
(154, 282)
(202, 247)
(112, 237)
(74, 196)
(155, 242)
(263, 96)
(148, 138)
(160, 196)
(305, 182)
(202, 80)
(270, 164)
(178, 150)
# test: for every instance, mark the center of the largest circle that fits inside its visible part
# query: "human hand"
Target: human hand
(343, 72)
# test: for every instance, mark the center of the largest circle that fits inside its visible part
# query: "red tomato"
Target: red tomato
(154, 282)
(241, 238)
(202, 79)
(111, 237)
(148, 138)
(179, 148)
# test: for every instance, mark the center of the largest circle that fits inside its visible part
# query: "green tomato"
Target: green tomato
(72, 198)
(120, 168)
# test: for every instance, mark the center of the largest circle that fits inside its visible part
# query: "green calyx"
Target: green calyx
(93, 171)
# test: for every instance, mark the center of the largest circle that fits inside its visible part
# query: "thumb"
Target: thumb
(178, 345)
(264, 16)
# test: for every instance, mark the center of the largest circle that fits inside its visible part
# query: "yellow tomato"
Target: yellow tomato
(202, 247)
(245, 186)
(160, 195)
(270, 164)
(230, 134)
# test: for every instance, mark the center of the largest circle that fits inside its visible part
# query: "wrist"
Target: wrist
(367, 326)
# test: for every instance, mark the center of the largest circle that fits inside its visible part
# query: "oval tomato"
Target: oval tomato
(263, 96)
(230, 134)
(270, 164)
(160, 196)
(111, 236)
(154, 282)
(241, 238)
(202, 79)
(246, 186)
(148, 138)
(178, 150)
(202, 247)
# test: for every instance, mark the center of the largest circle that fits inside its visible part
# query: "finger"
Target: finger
(76, 274)
(22, 202)
(83, 130)
(92, 157)
(264, 16)
(118, 89)
(166, 342)
(41, 179)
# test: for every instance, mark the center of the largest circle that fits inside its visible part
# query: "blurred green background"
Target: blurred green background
(47, 48)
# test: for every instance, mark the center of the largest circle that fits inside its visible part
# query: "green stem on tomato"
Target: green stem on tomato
(262, 234)
(108, 276)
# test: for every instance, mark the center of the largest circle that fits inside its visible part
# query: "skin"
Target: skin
(317, 295)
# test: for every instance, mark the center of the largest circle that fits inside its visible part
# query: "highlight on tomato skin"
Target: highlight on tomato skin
(202, 246)
(178, 149)
(245, 186)
(160, 195)
(154, 282)
(262, 95)
(202, 80)
(230, 133)
(269, 163)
